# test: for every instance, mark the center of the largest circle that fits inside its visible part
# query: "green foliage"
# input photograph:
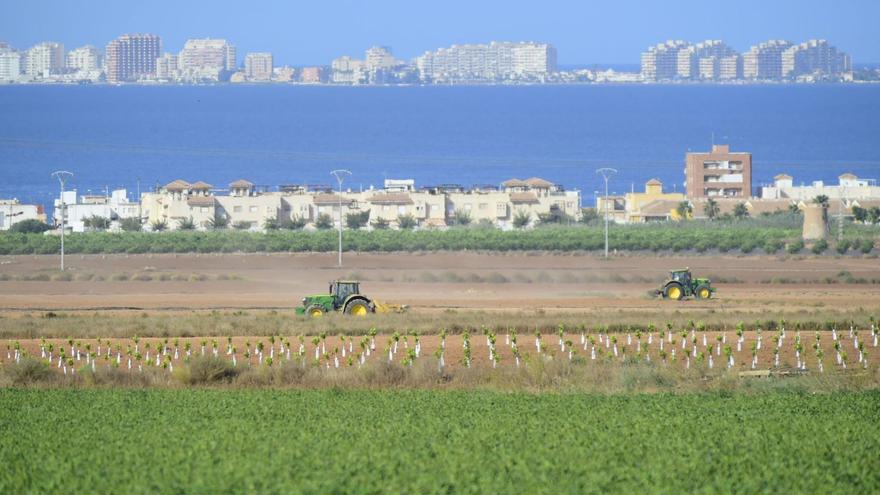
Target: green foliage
(820, 246)
(131, 224)
(711, 209)
(204, 370)
(406, 222)
(324, 222)
(186, 224)
(96, 222)
(684, 209)
(29, 226)
(866, 245)
(795, 246)
(219, 222)
(242, 225)
(463, 217)
(417, 441)
(295, 222)
(357, 220)
(589, 216)
(381, 224)
(159, 226)
(271, 224)
(522, 219)
(740, 211)
(28, 371)
(554, 217)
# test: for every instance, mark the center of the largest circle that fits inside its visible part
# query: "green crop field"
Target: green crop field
(259, 441)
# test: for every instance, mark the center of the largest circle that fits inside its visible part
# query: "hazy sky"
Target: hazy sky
(315, 31)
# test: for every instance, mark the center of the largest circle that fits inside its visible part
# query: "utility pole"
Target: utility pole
(840, 204)
(606, 173)
(340, 175)
(62, 176)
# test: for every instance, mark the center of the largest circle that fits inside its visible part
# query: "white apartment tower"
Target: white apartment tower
(703, 60)
(495, 61)
(379, 57)
(764, 61)
(814, 57)
(45, 59)
(10, 65)
(258, 66)
(166, 67)
(207, 54)
(660, 62)
(85, 58)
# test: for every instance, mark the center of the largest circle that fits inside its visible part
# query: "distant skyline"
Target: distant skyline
(313, 33)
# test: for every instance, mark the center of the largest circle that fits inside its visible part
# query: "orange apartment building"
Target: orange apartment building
(719, 173)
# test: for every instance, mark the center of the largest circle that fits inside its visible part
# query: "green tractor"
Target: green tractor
(345, 296)
(681, 285)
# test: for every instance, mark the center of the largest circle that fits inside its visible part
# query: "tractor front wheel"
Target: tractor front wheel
(315, 311)
(674, 291)
(703, 292)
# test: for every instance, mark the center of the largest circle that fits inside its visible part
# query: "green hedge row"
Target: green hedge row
(629, 238)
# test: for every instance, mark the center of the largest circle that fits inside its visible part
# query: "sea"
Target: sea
(139, 137)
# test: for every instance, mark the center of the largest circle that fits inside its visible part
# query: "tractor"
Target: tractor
(681, 285)
(345, 296)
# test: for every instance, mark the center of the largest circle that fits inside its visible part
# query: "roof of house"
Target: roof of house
(177, 185)
(523, 197)
(848, 175)
(539, 183)
(201, 186)
(391, 199)
(329, 199)
(658, 208)
(515, 183)
(783, 177)
(241, 184)
(200, 201)
(654, 182)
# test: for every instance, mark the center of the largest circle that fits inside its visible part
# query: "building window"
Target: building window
(205, 209)
(254, 209)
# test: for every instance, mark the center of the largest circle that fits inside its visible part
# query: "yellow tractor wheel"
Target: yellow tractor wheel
(315, 311)
(704, 293)
(357, 308)
(674, 292)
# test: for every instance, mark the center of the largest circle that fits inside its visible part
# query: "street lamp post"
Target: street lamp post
(340, 175)
(606, 173)
(62, 176)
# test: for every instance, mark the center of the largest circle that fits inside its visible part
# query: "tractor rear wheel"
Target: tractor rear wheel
(358, 307)
(674, 291)
(315, 311)
(703, 292)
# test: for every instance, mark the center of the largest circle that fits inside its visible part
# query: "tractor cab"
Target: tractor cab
(681, 276)
(341, 289)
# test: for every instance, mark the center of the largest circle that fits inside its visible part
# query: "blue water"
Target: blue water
(115, 136)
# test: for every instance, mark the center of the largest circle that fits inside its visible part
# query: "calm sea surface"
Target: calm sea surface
(115, 136)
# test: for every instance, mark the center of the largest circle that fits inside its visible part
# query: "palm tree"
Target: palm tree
(522, 219)
(740, 211)
(684, 210)
(711, 209)
(158, 226)
(186, 224)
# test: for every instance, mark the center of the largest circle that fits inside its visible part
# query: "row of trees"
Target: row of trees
(743, 236)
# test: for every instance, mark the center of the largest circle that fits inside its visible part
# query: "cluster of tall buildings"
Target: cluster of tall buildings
(140, 58)
(774, 60)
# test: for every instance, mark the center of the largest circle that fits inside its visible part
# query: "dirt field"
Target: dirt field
(436, 282)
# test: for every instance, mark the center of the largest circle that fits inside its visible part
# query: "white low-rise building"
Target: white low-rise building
(849, 187)
(114, 207)
(13, 211)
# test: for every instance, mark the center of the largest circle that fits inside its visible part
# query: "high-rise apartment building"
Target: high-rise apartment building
(45, 59)
(258, 66)
(131, 57)
(166, 67)
(207, 53)
(379, 58)
(719, 173)
(702, 60)
(764, 61)
(85, 58)
(10, 64)
(660, 62)
(492, 62)
(814, 57)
